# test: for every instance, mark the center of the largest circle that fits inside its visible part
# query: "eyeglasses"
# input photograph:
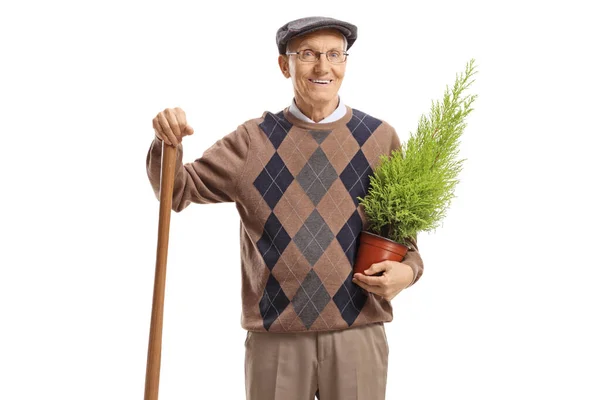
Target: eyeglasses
(308, 55)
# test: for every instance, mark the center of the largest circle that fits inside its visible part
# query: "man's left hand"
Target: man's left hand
(396, 277)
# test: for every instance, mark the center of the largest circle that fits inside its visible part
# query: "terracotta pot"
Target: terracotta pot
(373, 248)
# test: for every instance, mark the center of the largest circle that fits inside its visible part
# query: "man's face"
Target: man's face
(303, 74)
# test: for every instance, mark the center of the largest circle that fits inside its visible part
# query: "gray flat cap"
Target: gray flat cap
(301, 26)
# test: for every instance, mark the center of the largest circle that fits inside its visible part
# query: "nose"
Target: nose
(322, 64)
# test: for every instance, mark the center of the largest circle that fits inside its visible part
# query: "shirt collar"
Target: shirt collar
(339, 112)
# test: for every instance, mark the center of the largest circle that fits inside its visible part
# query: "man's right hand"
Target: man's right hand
(170, 126)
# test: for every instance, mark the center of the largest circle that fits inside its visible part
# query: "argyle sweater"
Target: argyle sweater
(295, 186)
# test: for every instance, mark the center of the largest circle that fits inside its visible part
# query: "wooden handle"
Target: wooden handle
(167, 178)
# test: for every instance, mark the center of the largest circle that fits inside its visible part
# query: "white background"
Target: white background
(508, 305)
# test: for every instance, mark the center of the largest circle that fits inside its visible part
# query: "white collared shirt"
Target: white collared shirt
(339, 112)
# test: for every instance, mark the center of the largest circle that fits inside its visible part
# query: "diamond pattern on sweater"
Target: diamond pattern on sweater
(319, 136)
(350, 300)
(356, 176)
(310, 299)
(362, 126)
(273, 180)
(276, 127)
(313, 237)
(315, 176)
(273, 241)
(348, 236)
(273, 302)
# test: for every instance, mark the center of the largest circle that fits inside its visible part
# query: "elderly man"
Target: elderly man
(295, 175)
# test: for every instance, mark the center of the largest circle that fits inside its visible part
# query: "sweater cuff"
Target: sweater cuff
(413, 259)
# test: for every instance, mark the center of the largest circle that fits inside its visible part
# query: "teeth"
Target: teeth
(319, 81)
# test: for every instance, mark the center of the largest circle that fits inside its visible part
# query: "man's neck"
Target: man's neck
(317, 113)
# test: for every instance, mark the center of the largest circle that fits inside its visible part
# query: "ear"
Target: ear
(284, 65)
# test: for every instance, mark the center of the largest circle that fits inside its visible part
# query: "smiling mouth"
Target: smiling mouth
(322, 82)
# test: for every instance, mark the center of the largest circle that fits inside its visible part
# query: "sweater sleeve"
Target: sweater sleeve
(414, 260)
(412, 257)
(212, 178)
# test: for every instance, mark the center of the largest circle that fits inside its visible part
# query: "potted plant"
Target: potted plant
(411, 189)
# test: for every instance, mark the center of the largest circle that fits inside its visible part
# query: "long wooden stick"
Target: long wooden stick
(167, 178)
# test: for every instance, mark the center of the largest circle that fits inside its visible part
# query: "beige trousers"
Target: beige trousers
(348, 364)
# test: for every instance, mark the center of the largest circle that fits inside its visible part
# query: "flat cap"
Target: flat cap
(301, 26)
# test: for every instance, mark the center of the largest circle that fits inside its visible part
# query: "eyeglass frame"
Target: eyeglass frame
(318, 53)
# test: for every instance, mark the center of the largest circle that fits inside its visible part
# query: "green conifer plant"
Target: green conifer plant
(411, 189)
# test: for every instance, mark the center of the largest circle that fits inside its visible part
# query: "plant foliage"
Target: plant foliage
(411, 189)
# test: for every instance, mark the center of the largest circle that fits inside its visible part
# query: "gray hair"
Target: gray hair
(287, 47)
